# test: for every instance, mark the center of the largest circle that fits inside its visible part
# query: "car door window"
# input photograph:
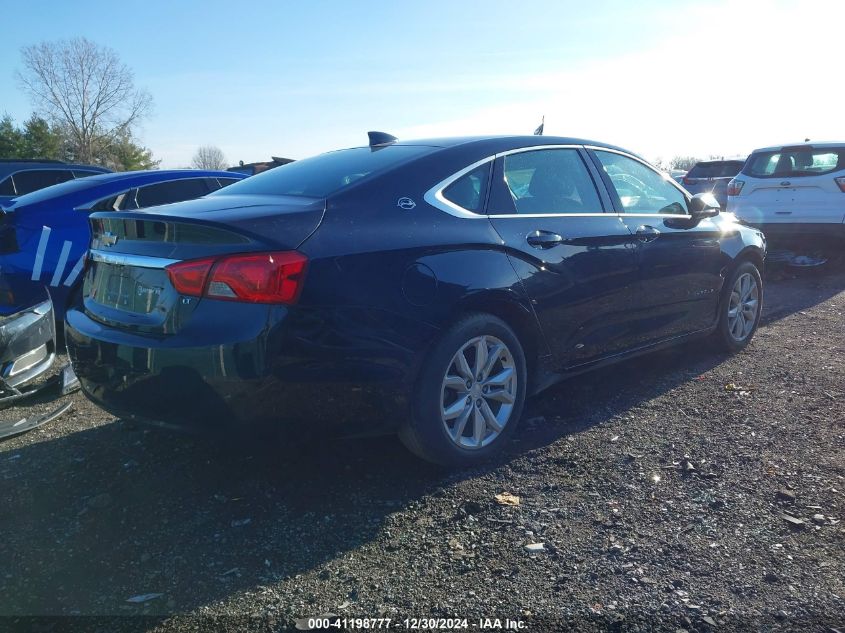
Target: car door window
(172, 191)
(35, 179)
(640, 188)
(548, 181)
(82, 173)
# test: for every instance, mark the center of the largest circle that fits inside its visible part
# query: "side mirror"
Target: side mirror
(703, 205)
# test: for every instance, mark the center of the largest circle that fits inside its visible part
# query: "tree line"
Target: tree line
(86, 110)
(37, 138)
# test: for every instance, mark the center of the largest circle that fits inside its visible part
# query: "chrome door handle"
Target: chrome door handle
(647, 233)
(543, 239)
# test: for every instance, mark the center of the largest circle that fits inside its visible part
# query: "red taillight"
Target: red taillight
(189, 277)
(841, 182)
(690, 181)
(249, 277)
(735, 186)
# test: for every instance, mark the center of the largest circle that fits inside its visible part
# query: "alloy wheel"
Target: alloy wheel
(743, 307)
(478, 392)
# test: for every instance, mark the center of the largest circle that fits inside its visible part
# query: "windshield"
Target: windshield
(322, 175)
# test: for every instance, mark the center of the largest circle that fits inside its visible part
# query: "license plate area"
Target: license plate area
(125, 288)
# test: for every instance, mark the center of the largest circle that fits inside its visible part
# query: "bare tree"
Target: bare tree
(209, 157)
(85, 89)
(683, 162)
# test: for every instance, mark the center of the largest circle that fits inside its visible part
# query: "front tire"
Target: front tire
(469, 395)
(740, 307)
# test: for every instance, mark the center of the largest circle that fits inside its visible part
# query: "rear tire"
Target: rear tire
(740, 307)
(469, 395)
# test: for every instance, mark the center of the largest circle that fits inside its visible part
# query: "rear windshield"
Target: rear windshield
(803, 161)
(716, 169)
(321, 175)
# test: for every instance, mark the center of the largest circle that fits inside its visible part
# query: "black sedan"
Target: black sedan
(425, 288)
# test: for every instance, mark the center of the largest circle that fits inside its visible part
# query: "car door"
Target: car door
(574, 256)
(680, 261)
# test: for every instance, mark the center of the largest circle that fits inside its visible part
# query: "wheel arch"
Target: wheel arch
(519, 317)
(751, 254)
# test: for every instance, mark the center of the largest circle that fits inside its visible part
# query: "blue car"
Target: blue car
(19, 177)
(44, 234)
(424, 287)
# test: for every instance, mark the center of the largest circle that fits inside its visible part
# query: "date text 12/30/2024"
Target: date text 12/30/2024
(410, 624)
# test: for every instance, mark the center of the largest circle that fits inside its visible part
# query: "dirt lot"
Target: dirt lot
(686, 490)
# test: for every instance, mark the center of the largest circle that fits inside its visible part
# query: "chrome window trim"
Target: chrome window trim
(435, 198)
(127, 259)
(533, 148)
(654, 215)
(496, 216)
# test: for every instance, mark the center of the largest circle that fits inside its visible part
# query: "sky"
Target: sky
(293, 79)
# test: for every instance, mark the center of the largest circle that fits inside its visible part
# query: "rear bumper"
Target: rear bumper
(806, 232)
(27, 344)
(284, 376)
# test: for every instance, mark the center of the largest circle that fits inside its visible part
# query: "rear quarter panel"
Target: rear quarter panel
(393, 278)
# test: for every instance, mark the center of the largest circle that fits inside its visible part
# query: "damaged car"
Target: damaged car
(44, 234)
(424, 288)
(27, 344)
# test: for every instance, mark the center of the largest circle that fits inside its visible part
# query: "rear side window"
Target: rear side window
(7, 187)
(716, 169)
(82, 173)
(117, 202)
(321, 175)
(549, 181)
(469, 190)
(640, 188)
(29, 181)
(797, 162)
(172, 191)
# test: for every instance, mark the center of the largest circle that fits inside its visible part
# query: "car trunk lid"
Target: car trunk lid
(126, 284)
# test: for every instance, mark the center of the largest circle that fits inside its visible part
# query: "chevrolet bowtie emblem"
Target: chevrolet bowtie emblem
(108, 239)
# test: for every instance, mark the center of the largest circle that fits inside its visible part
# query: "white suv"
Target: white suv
(792, 192)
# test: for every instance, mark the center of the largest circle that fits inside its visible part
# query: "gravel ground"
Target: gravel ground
(685, 490)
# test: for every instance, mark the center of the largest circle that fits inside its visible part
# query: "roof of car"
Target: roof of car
(164, 173)
(505, 141)
(802, 144)
(12, 165)
(716, 161)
